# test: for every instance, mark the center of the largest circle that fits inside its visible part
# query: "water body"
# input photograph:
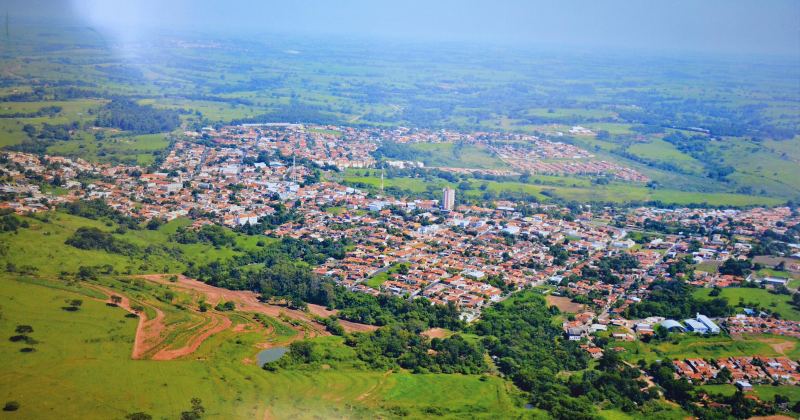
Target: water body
(270, 355)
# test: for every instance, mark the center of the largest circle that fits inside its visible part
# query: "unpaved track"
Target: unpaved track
(219, 324)
(148, 332)
(248, 302)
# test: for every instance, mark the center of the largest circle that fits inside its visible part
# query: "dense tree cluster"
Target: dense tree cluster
(129, 116)
(386, 309)
(10, 222)
(391, 347)
(96, 239)
(673, 299)
(98, 209)
(211, 234)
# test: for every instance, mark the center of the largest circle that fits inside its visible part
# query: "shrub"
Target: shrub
(11, 406)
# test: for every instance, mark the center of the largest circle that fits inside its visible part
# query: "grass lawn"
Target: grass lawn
(81, 368)
(445, 155)
(377, 280)
(691, 346)
(43, 246)
(763, 392)
(757, 297)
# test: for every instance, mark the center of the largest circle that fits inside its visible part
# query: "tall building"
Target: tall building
(448, 198)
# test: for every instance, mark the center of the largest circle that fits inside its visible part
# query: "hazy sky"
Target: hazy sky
(738, 26)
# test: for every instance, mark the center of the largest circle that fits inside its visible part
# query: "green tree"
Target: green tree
(11, 406)
(23, 329)
(196, 412)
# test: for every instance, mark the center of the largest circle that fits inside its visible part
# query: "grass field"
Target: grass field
(691, 346)
(42, 246)
(757, 297)
(573, 189)
(444, 155)
(82, 369)
(763, 392)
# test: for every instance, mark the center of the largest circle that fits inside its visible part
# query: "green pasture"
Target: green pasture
(763, 392)
(445, 155)
(691, 346)
(757, 297)
(43, 246)
(81, 368)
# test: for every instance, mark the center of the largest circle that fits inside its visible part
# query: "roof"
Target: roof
(695, 325)
(671, 323)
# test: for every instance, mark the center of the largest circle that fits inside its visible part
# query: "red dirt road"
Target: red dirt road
(248, 302)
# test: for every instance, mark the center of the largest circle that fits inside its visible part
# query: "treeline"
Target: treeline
(98, 209)
(294, 113)
(673, 299)
(90, 239)
(298, 284)
(46, 110)
(41, 94)
(210, 98)
(530, 350)
(254, 84)
(11, 222)
(210, 234)
(127, 115)
(398, 346)
(386, 309)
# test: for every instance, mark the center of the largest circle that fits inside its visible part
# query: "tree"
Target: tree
(11, 406)
(23, 329)
(196, 412)
(154, 223)
(87, 273)
(137, 308)
(75, 304)
(139, 416)
(725, 375)
(116, 300)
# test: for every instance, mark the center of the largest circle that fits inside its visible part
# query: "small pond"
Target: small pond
(270, 355)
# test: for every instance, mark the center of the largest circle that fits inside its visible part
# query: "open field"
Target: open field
(571, 189)
(689, 346)
(84, 356)
(763, 392)
(565, 304)
(753, 297)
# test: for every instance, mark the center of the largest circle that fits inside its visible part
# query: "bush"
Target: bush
(11, 406)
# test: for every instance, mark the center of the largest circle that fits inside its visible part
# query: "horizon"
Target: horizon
(737, 27)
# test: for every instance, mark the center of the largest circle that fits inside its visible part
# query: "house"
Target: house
(595, 353)
(744, 386)
(243, 219)
(576, 333)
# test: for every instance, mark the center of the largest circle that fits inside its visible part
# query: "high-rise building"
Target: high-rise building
(448, 198)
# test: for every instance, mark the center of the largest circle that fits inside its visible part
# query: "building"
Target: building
(744, 386)
(702, 324)
(448, 199)
(243, 219)
(673, 326)
(576, 333)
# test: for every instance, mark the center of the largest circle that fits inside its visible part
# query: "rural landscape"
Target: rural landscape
(221, 221)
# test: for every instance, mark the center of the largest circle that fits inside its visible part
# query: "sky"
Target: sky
(714, 26)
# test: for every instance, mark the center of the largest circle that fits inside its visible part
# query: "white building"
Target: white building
(243, 219)
(448, 198)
